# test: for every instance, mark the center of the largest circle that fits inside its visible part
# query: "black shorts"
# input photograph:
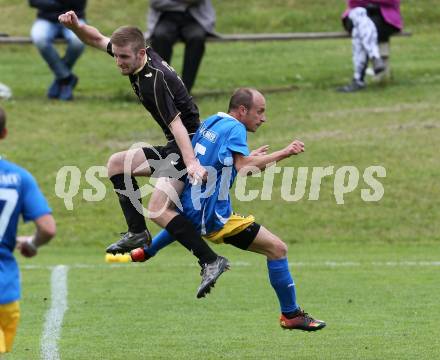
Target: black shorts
(166, 161)
(244, 238)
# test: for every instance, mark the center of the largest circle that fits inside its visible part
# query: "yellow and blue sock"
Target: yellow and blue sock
(283, 284)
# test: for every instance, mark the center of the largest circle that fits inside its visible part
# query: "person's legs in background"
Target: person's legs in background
(368, 36)
(43, 35)
(75, 48)
(73, 51)
(365, 46)
(194, 36)
(384, 32)
(360, 57)
(166, 34)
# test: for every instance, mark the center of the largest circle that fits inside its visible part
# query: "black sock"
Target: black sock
(134, 219)
(185, 233)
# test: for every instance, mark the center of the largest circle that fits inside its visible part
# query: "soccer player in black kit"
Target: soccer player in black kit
(163, 94)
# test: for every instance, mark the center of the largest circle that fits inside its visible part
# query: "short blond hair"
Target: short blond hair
(128, 35)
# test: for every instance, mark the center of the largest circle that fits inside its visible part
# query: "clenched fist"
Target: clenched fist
(69, 20)
(26, 246)
(294, 148)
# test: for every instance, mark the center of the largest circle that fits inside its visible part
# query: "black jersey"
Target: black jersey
(163, 94)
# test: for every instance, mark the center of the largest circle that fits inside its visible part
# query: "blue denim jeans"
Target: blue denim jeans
(44, 33)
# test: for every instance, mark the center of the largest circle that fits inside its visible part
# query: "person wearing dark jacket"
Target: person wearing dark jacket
(45, 30)
(188, 20)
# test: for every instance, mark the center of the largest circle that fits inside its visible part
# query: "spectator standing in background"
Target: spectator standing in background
(188, 20)
(370, 22)
(45, 30)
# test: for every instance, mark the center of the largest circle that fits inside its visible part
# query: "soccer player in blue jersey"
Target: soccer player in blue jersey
(19, 196)
(221, 147)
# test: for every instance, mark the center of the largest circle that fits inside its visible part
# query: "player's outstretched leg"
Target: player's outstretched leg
(186, 233)
(292, 317)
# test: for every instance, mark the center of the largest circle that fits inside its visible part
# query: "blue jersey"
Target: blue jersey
(19, 195)
(208, 206)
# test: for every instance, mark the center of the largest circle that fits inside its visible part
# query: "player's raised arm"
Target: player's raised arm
(87, 34)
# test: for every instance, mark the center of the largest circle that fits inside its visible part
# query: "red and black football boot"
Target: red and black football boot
(301, 321)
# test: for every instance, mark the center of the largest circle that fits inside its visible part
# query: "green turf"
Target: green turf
(374, 309)
(379, 302)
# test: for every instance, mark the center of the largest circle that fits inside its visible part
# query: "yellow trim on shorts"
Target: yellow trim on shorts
(9, 317)
(236, 223)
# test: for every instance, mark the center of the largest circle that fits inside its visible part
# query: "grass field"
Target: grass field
(370, 270)
(379, 301)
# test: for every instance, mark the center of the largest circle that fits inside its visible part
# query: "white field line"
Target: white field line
(54, 316)
(402, 263)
